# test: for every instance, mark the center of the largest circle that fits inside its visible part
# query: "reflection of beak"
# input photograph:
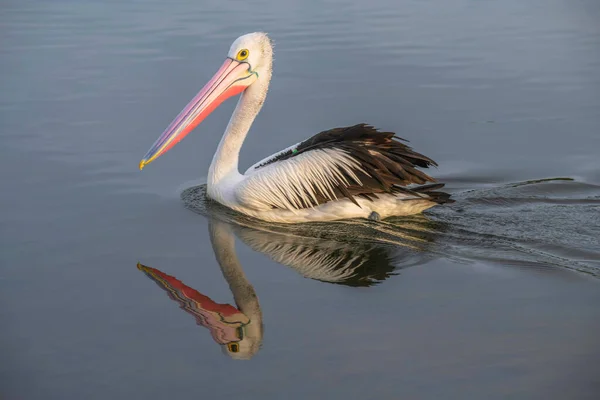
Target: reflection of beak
(231, 79)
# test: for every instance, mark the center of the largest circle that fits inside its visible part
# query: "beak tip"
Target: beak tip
(142, 164)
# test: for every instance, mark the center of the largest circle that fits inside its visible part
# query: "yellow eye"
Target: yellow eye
(242, 54)
(233, 347)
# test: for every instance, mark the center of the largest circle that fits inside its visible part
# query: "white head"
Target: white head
(254, 48)
(249, 62)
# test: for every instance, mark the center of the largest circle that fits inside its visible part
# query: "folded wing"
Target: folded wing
(351, 162)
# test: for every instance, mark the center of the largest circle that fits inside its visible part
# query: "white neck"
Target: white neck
(223, 243)
(225, 160)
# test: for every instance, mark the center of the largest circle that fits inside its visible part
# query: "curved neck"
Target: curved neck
(225, 160)
(223, 243)
(245, 297)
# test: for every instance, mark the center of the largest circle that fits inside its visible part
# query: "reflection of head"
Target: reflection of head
(244, 349)
(228, 326)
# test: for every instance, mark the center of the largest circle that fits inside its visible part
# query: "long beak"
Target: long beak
(231, 79)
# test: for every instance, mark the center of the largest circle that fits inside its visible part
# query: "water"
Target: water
(494, 296)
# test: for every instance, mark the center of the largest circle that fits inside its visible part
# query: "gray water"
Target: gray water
(494, 296)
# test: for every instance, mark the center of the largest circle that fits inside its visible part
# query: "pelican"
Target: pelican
(350, 172)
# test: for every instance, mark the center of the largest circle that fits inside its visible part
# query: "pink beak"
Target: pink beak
(231, 79)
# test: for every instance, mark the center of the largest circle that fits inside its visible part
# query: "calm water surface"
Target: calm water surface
(493, 297)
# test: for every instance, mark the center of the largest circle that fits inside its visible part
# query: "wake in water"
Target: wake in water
(546, 223)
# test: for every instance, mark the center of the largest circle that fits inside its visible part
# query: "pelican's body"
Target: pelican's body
(353, 172)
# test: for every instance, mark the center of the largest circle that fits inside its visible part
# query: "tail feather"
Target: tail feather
(428, 192)
(434, 195)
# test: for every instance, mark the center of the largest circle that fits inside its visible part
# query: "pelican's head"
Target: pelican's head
(248, 61)
(249, 343)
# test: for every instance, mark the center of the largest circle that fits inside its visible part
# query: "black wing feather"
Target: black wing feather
(387, 164)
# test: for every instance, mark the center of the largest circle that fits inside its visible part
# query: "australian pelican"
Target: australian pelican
(351, 172)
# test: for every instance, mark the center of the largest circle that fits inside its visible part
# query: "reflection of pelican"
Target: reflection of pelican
(350, 172)
(238, 330)
(315, 251)
(343, 261)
